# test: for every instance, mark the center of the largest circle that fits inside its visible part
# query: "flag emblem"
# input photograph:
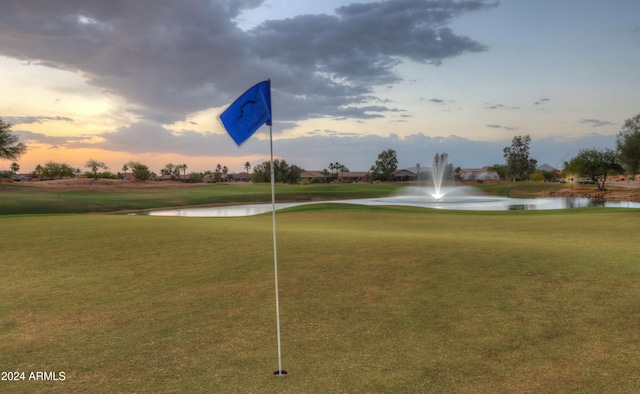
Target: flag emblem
(248, 112)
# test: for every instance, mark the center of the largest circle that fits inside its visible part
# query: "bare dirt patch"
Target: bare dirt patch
(615, 191)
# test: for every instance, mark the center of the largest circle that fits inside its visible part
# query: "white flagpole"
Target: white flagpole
(279, 372)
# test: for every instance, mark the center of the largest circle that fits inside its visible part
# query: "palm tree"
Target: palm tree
(184, 169)
(177, 170)
(15, 167)
(337, 167)
(170, 169)
(247, 166)
(217, 174)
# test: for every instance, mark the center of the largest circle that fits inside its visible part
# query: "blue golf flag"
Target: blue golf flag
(250, 111)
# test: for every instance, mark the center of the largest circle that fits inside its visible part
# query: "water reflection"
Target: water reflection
(469, 203)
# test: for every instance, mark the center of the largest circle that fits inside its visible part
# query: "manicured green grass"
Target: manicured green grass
(373, 299)
(28, 199)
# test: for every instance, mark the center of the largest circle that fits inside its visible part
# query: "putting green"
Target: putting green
(373, 299)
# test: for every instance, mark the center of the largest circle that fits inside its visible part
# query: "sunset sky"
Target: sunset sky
(124, 80)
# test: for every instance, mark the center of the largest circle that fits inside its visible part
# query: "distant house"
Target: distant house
(241, 177)
(127, 176)
(352, 176)
(22, 177)
(403, 175)
(309, 176)
(234, 177)
(343, 177)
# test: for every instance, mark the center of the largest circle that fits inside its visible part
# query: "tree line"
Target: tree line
(593, 163)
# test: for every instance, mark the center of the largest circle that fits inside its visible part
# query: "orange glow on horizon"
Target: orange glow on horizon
(77, 158)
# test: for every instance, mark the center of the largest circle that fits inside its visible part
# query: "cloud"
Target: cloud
(172, 58)
(41, 138)
(508, 128)
(541, 101)
(16, 120)
(149, 137)
(499, 106)
(596, 122)
(317, 149)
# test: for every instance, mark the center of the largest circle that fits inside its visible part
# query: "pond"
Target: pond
(468, 202)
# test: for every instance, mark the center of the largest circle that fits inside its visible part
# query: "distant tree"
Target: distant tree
(326, 174)
(628, 145)
(285, 173)
(94, 166)
(217, 174)
(38, 171)
(184, 167)
(196, 176)
(519, 166)
(167, 169)
(15, 167)
(247, 167)
(125, 168)
(102, 175)
(537, 176)
(140, 171)
(550, 176)
(282, 172)
(448, 172)
(457, 173)
(500, 169)
(594, 164)
(53, 170)
(385, 166)
(337, 167)
(177, 170)
(261, 173)
(10, 146)
(295, 173)
(172, 170)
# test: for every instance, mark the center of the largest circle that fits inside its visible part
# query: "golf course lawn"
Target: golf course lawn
(372, 299)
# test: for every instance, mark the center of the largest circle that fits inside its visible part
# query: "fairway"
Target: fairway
(373, 299)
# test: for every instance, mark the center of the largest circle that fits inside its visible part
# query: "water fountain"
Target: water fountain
(441, 196)
(437, 172)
